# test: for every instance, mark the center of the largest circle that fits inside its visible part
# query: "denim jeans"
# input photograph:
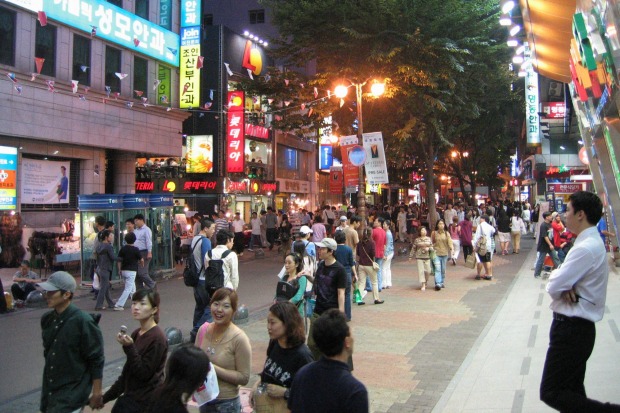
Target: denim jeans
(380, 273)
(202, 310)
(540, 260)
(440, 269)
(222, 406)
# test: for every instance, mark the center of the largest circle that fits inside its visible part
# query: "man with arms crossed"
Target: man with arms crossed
(578, 290)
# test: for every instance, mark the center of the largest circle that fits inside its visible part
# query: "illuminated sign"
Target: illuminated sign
(196, 185)
(258, 187)
(190, 13)
(237, 186)
(145, 186)
(554, 110)
(252, 58)
(164, 88)
(179, 186)
(531, 101)
(235, 141)
(256, 131)
(189, 84)
(326, 157)
(8, 178)
(169, 186)
(565, 188)
(199, 154)
(113, 24)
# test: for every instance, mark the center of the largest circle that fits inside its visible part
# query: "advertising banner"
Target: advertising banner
(165, 14)
(44, 182)
(189, 84)
(351, 172)
(235, 140)
(8, 178)
(376, 167)
(199, 154)
(566, 188)
(531, 102)
(164, 87)
(335, 180)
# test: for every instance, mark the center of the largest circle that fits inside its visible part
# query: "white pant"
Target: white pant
(130, 287)
(456, 243)
(387, 271)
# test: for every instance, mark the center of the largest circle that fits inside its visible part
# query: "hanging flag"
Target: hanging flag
(42, 17)
(341, 102)
(121, 76)
(108, 90)
(11, 76)
(287, 102)
(230, 72)
(138, 93)
(199, 62)
(329, 94)
(129, 104)
(19, 89)
(86, 89)
(201, 115)
(84, 68)
(267, 78)
(93, 32)
(303, 106)
(145, 101)
(286, 82)
(250, 74)
(316, 93)
(173, 51)
(270, 101)
(33, 76)
(185, 88)
(74, 85)
(211, 94)
(82, 97)
(156, 83)
(163, 99)
(302, 85)
(136, 42)
(39, 63)
(208, 105)
(50, 85)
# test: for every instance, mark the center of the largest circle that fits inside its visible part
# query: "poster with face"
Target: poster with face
(45, 182)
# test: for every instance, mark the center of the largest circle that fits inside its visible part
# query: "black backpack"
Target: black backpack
(191, 275)
(214, 273)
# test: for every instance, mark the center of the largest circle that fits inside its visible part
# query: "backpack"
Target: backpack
(191, 275)
(481, 245)
(214, 273)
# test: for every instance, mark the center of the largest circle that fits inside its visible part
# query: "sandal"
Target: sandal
(486, 277)
(478, 277)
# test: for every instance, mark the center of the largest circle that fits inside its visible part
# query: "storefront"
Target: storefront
(292, 195)
(248, 196)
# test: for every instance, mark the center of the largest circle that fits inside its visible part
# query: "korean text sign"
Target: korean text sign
(235, 139)
(8, 178)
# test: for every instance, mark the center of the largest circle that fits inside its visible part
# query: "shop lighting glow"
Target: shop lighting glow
(517, 60)
(255, 38)
(512, 42)
(505, 21)
(515, 29)
(507, 6)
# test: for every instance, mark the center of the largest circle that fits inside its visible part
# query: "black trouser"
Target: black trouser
(238, 242)
(202, 310)
(467, 251)
(143, 280)
(272, 233)
(571, 340)
(22, 294)
(3, 306)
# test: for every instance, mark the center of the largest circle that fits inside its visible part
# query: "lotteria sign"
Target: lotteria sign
(111, 23)
(235, 140)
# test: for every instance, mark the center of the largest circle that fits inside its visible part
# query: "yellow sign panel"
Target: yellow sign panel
(189, 84)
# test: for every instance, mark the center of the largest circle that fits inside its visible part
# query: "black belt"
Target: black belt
(562, 317)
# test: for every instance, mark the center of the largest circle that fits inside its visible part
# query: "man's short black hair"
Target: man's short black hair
(340, 237)
(223, 236)
(206, 224)
(130, 220)
(100, 220)
(139, 216)
(589, 203)
(354, 219)
(329, 332)
(548, 213)
(130, 238)
(108, 225)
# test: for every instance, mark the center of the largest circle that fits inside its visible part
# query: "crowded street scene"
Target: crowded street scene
(283, 206)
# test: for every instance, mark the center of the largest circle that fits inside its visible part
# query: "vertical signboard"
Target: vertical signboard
(235, 139)
(531, 100)
(8, 178)
(351, 172)
(165, 14)
(335, 180)
(164, 86)
(376, 167)
(189, 83)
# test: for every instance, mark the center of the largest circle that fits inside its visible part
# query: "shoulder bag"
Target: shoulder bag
(375, 264)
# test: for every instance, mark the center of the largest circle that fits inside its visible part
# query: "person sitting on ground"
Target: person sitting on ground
(24, 281)
(327, 385)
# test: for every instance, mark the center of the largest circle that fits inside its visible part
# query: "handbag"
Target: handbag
(470, 262)
(263, 403)
(375, 264)
(208, 390)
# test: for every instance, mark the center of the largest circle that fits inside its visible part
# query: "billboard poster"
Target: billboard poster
(235, 137)
(45, 182)
(351, 172)
(199, 154)
(8, 178)
(376, 167)
(335, 180)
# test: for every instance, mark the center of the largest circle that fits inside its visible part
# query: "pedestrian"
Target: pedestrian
(517, 228)
(255, 239)
(484, 258)
(442, 244)
(186, 370)
(287, 351)
(467, 235)
(545, 245)
(380, 238)
(503, 230)
(386, 270)
(284, 231)
(318, 229)
(304, 235)
(229, 349)
(129, 258)
(366, 257)
(327, 385)
(199, 247)
(72, 348)
(293, 274)
(401, 222)
(263, 229)
(238, 226)
(24, 281)
(526, 215)
(144, 242)
(455, 235)
(351, 232)
(230, 264)
(413, 224)
(578, 292)
(344, 255)
(421, 249)
(105, 265)
(271, 225)
(146, 350)
(558, 228)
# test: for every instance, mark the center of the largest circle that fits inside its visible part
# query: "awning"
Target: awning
(548, 24)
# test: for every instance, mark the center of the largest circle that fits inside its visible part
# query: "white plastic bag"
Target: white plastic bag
(209, 389)
(96, 281)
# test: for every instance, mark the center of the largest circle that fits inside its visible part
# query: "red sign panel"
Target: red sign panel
(256, 131)
(351, 172)
(235, 140)
(567, 188)
(145, 186)
(259, 187)
(335, 180)
(554, 110)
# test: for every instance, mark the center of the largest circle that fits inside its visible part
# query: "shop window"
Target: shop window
(207, 20)
(563, 147)
(118, 3)
(112, 66)
(7, 37)
(257, 16)
(142, 8)
(140, 75)
(45, 48)
(81, 59)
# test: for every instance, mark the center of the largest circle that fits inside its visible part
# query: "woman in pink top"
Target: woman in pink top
(380, 238)
(318, 229)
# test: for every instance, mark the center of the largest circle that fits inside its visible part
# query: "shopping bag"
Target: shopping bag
(470, 262)
(357, 295)
(209, 389)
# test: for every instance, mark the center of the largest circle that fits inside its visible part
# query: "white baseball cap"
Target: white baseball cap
(305, 230)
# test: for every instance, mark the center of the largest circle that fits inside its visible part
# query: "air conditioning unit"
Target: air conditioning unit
(555, 89)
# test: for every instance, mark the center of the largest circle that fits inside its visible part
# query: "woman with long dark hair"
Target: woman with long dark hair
(293, 276)
(105, 266)
(186, 371)
(442, 243)
(146, 349)
(366, 252)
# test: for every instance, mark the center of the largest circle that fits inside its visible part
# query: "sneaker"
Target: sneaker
(119, 308)
(361, 303)
(250, 249)
(437, 287)
(364, 292)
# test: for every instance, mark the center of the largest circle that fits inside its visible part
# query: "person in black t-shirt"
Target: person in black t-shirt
(287, 351)
(545, 245)
(129, 258)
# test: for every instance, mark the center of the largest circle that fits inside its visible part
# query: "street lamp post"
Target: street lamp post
(377, 89)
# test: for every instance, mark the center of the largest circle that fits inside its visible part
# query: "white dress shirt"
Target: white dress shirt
(584, 269)
(144, 238)
(230, 267)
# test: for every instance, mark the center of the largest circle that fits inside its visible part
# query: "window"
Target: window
(140, 75)
(142, 8)
(81, 59)
(207, 20)
(112, 66)
(118, 3)
(45, 48)
(7, 37)
(563, 146)
(257, 16)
